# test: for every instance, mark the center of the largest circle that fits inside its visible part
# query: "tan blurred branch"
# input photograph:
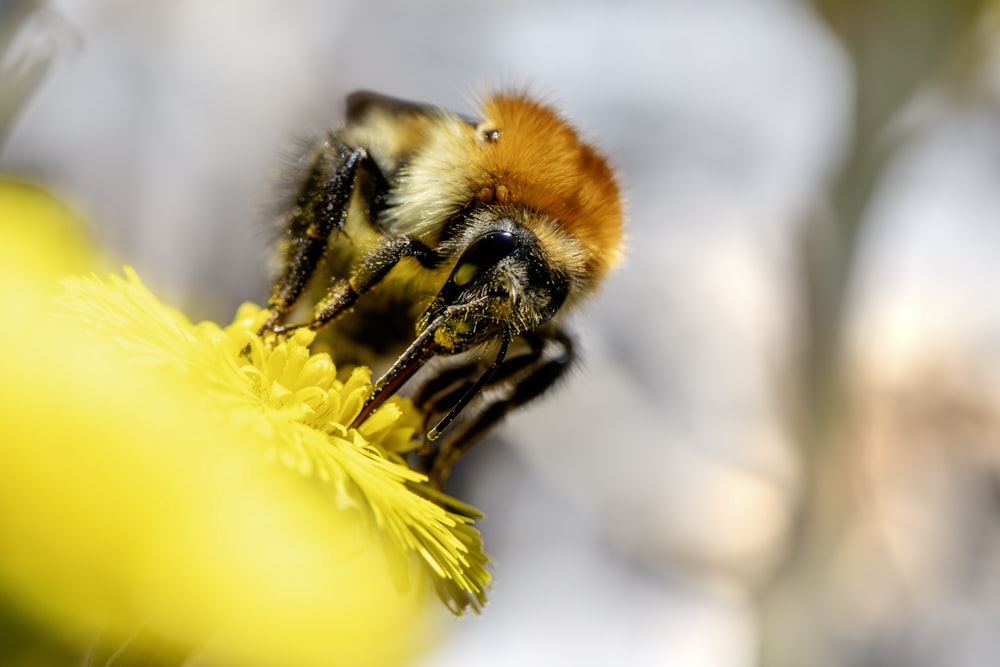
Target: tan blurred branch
(896, 47)
(22, 70)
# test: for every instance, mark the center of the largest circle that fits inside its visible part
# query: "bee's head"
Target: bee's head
(516, 268)
(503, 283)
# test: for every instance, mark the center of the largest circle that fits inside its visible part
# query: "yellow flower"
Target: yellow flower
(195, 486)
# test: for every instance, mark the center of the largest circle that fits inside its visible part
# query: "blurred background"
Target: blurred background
(782, 447)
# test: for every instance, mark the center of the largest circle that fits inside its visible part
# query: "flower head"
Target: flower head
(294, 399)
(192, 481)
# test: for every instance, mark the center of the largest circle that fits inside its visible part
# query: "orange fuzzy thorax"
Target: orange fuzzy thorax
(540, 161)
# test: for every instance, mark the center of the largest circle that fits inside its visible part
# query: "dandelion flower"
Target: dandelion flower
(197, 487)
(293, 399)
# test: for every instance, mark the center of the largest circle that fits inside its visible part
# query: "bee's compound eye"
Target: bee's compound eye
(482, 254)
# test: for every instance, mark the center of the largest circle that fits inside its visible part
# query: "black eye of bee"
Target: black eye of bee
(483, 254)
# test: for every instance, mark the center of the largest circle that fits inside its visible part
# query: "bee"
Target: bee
(425, 234)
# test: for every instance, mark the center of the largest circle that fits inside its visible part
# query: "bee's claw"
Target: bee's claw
(269, 324)
(271, 328)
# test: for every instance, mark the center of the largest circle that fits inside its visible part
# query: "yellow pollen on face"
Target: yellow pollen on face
(465, 273)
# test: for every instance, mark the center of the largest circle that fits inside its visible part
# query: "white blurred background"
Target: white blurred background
(781, 447)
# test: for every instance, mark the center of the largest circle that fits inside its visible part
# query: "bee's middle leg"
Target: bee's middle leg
(320, 211)
(527, 376)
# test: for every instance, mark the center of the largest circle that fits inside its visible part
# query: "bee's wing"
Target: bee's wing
(361, 102)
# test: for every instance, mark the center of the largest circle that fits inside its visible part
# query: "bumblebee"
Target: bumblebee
(425, 234)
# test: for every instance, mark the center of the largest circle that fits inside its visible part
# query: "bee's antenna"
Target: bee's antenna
(435, 432)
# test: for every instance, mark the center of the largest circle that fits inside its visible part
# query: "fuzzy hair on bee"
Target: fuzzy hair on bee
(418, 234)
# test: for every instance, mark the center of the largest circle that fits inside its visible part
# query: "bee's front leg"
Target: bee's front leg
(370, 271)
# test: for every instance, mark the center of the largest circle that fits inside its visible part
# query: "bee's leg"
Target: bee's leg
(320, 210)
(370, 271)
(438, 393)
(527, 377)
